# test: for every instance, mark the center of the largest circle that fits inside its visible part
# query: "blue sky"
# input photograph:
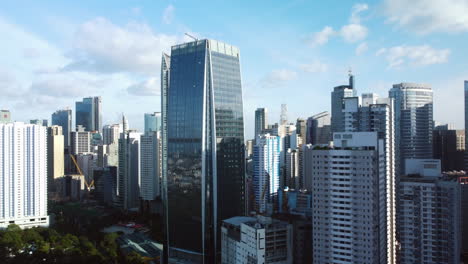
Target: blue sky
(293, 52)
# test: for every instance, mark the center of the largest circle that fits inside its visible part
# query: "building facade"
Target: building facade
(55, 155)
(203, 147)
(63, 118)
(80, 141)
(111, 134)
(152, 122)
(261, 121)
(89, 113)
(448, 145)
(429, 222)
(150, 165)
(337, 96)
(319, 129)
(128, 182)
(23, 171)
(5, 116)
(413, 121)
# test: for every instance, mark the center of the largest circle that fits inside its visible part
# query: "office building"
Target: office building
(284, 114)
(292, 179)
(353, 211)
(319, 129)
(256, 240)
(153, 122)
(249, 144)
(80, 141)
(63, 118)
(429, 224)
(105, 182)
(337, 105)
(413, 121)
(301, 130)
(261, 121)
(111, 134)
(466, 125)
(203, 118)
(40, 122)
(128, 183)
(23, 175)
(87, 163)
(55, 156)
(266, 177)
(5, 116)
(448, 146)
(150, 164)
(463, 180)
(89, 113)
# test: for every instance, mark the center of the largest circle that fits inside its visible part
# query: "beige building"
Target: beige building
(55, 155)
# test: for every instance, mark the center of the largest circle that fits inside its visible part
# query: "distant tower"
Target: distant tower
(284, 114)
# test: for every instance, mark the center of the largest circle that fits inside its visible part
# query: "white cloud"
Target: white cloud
(279, 77)
(363, 47)
(321, 37)
(356, 11)
(314, 67)
(101, 46)
(168, 14)
(353, 33)
(414, 55)
(427, 16)
(148, 87)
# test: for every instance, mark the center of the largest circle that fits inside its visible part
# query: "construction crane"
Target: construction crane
(190, 36)
(88, 186)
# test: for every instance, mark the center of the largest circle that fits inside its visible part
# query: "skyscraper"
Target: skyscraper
(128, 183)
(266, 177)
(318, 129)
(55, 155)
(88, 113)
(413, 121)
(80, 141)
(466, 125)
(430, 214)
(203, 147)
(261, 121)
(150, 165)
(352, 216)
(337, 96)
(448, 146)
(153, 122)
(284, 114)
(301, 129)
(63, 118)
(111, 134)
(5, 116)
(23, 175)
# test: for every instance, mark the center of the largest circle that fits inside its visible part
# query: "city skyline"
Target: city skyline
(57, 56)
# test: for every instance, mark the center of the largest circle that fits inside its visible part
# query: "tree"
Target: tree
(109, 245)
(134, 258)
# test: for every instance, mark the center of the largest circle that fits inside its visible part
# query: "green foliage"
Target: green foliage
(134, 258)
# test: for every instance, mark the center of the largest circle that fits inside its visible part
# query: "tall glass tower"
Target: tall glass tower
(203, 146)
(63, 118)
(89, 114)
(337, 106)
(466, 125)
(413, 121)
(152, 122)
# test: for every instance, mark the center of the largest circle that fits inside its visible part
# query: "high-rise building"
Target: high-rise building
(23, 175)
(284, 114)
(63, 118)
(204, 167)
(55, 156)
(80, 141)
(41, 122)
(260, 240)
(413, 122)
(319, 129)
(266, 177)
(150, 164)
(301, 130)
(293, 179)
(111, 134)
(88, 113)
(87, 163)
(466, 125)
(153, 122)
(429, 222)
(261, 121)
(128, 183)
(337, 105)
(353, 211)
(5, 116)
(448, 145)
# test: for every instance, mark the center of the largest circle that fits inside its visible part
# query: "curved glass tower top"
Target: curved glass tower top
(203, 150)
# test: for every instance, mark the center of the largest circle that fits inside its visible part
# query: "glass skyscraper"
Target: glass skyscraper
(413, 122)
(88, 113)
(466, 125)
(63, 118)
(203, 146)
(337, 96)
(152, 122)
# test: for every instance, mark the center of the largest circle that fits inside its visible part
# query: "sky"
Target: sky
(53, 53)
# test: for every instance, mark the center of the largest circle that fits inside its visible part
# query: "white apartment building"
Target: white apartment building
(261, 240)
(351, 219)
(23, 175)
(150, 165)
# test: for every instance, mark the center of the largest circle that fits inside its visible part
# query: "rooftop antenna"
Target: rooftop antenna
(190, 36)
